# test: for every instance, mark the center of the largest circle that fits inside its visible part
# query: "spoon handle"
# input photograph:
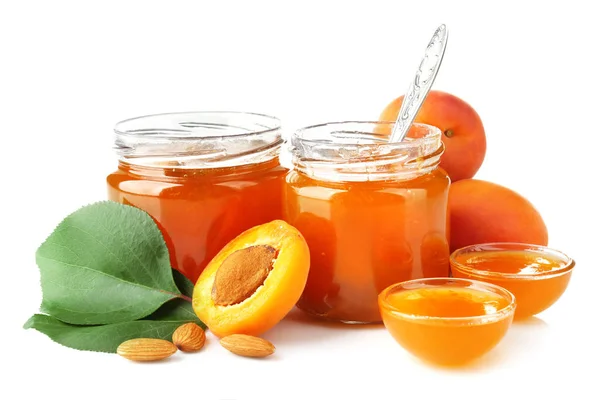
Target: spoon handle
(421, 84)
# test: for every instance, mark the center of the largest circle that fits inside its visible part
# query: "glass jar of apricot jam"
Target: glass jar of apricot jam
(373, 213)
(205, 177)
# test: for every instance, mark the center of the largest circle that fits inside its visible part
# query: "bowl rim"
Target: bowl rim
(544, 251)
(504, 312)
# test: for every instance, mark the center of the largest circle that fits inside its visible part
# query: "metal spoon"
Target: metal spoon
(420, 84)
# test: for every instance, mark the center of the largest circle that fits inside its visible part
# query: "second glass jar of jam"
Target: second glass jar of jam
(204, 177)
(373, 213)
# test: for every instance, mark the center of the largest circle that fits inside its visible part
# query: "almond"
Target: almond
(145, 349)
(247, 346)
(189, 337)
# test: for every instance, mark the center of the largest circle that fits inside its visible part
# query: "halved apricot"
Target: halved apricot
(254, 281)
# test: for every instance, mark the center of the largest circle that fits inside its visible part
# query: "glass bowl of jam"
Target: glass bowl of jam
(536, 275)
(447, 321)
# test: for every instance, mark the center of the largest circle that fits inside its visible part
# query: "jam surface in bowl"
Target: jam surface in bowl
(536, 275)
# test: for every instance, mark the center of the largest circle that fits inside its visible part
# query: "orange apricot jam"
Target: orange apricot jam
(447, 321)
(372, 213)
(204, 177)
(536, 275)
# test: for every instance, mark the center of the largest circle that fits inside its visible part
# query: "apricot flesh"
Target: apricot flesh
(484, 212)
(463, 132)
(254, 281)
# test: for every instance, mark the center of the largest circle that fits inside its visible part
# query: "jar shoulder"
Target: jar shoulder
(193, 182)
(435, 179)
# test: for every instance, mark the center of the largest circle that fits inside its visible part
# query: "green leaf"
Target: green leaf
(176, 310)
(186, 287)
(105, 263)
(106, 338)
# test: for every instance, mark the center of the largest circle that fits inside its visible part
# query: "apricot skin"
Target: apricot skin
(461, 126)
(273, 300)
(484, 212)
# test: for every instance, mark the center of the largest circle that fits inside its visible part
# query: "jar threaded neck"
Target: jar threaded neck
(198, 139)
(359, 151)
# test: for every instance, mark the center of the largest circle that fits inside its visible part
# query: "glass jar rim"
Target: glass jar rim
(198, 139)
(119, 126)
(432, 136)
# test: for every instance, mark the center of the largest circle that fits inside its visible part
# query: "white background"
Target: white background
(71, 70)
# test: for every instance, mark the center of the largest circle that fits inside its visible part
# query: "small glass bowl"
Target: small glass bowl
(444, 340)
(534, 291)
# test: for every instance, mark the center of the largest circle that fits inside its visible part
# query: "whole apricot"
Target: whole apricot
(463, 133)
(484, 212)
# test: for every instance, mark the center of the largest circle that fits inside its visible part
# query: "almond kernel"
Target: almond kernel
(146, 349)
(247, 346)
(189, 337)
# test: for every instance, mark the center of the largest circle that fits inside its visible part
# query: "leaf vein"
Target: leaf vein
(111, 276)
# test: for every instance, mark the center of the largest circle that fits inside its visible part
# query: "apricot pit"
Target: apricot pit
(254, 281)
(241, 273)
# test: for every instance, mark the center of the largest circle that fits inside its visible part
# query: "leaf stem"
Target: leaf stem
(186, 298)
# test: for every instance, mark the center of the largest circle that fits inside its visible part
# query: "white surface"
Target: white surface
(70, 71)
